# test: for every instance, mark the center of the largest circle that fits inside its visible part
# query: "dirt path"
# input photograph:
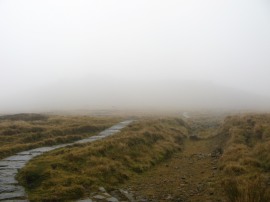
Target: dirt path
(190, 175)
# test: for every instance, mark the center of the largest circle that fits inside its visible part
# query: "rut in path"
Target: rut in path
(190, 175)
(10, 190)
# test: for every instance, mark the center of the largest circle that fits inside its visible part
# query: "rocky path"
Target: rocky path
(189, 176)
(10, 190)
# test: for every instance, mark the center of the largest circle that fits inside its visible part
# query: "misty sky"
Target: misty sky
(59, 43)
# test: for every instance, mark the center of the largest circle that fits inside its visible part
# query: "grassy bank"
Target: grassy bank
(27, 131)
(246, 158)
(74, 172)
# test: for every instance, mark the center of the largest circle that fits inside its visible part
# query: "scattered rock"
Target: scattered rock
(106, 194)
(112, 199)
(127, 195)
(99, 197)
(169, 197)
(102, 189)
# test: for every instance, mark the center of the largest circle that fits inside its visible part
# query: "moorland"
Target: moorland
(156, 158)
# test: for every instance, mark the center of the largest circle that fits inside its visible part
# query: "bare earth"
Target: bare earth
(190, 175)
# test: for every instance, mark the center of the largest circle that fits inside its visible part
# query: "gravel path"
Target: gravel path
(10, 190)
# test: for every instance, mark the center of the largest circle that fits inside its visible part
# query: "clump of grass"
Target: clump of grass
(248, 190)
(234, 152)
(107, 163)
(262, 153)
(246, 158)
(27, 131)
(234, 169)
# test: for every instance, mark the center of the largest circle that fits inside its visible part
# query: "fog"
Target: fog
(146, 55)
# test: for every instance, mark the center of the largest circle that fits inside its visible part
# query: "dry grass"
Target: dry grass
(248, 190)
(26, 131)
(72, 172)
(246, 158)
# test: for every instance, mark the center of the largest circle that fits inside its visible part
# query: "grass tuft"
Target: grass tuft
(246, 158)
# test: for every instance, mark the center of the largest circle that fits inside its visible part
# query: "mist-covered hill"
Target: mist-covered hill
(93, 93)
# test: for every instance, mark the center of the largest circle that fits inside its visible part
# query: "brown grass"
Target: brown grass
(108, 163)
(247, 190)
(27, 131)
(246, 158)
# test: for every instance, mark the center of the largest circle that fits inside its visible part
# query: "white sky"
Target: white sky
(226, 42)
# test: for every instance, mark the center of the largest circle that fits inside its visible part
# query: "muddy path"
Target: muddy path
(191, 175)
(10, 190)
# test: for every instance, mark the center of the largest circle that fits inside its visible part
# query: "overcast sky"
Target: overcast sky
(44, 43)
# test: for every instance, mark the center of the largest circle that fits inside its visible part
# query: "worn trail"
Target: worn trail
(10, 190)
(189, 176)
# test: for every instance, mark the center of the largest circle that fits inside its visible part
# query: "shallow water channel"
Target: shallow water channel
(10, 190)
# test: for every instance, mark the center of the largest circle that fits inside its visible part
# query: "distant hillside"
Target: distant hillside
(151, 95)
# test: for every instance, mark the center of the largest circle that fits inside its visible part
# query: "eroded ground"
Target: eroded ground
(190, 175)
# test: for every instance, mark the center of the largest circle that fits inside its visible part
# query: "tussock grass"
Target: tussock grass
(233, 169)
(107, 163)
(253, 189)
(246, 158)
(27, 131)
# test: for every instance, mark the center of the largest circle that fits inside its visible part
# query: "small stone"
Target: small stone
(102, 189)
(129, 196)
(169, 197)
(106, 194)
(112, 199)
(99, 197)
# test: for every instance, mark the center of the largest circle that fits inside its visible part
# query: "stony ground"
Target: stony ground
(191, 175)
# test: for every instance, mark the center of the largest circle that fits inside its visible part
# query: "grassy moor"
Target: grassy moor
(74, 172)
(22, 132)
(204, 158)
